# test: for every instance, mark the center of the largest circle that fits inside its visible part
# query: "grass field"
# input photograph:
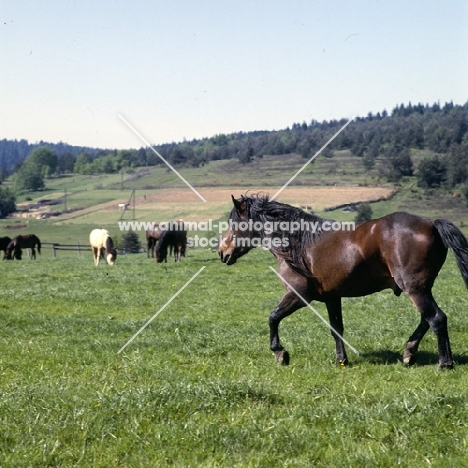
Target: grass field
(199, 386)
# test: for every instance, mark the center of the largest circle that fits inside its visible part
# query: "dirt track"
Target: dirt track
(315, 197)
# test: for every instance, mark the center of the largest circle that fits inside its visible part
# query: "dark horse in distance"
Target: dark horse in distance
(27, 241)
(4, 241)
(399, 251)
(174, 238)
(152, 237)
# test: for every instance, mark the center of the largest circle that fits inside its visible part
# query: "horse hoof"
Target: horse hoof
(282, 357)
(409, 359)
(444, 366)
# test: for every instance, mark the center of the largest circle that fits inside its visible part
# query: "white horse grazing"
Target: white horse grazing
(100, 240)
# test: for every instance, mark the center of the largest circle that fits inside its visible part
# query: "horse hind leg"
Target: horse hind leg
(431, 317)
(412, 345)
(33, 254)
(177, 253)
(150, 250)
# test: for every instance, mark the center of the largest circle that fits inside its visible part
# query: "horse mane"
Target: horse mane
(261, 208)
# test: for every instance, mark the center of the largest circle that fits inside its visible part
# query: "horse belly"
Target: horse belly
(355, 278)
(368, 285)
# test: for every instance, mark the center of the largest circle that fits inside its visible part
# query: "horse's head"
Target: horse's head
(236, 242)
(10, 251)
(161, 253)
(111, 256)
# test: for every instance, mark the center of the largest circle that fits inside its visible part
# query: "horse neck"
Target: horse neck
(108, 243)
(308, 222)
(164, 241)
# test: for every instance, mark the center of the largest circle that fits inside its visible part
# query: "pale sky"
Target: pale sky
(193, 69)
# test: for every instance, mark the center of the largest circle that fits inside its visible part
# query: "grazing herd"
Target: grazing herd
(172, 239)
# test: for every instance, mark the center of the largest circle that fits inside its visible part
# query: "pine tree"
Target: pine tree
(130, 242)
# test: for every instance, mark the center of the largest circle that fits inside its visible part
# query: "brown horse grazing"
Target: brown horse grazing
(27, 241)
(400, 251)
(152, 237)
(174, 237)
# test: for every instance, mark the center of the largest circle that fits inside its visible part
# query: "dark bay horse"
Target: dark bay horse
(174, 238)
(27, 241)
(400, 251)
(152, 237)
(4, 241)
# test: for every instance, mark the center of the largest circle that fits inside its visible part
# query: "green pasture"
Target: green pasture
(75, 229)
(199, 386)
(88, 192)
(86, 195)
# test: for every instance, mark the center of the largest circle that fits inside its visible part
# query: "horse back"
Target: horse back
(399, 251)
(153, 234)
(98, 237)
(4, 241)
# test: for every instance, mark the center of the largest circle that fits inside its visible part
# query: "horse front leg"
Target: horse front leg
(335, 317)
(289, 304)
(97, 255)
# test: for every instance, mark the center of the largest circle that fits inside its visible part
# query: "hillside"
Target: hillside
(86, 201)
(418, 153)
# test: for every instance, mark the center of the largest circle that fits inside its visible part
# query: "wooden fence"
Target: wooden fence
(78, 248)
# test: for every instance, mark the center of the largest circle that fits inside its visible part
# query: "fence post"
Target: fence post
(53, 250)
(79, 251)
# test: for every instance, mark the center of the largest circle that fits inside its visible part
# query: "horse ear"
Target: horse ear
(240, 207)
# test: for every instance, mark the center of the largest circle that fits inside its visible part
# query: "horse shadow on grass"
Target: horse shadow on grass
(425, 358)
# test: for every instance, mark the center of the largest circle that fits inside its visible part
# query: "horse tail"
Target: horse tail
(454, 239)
(38, 244)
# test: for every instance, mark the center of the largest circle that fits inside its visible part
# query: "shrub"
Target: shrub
(364, 213)
(130, 242)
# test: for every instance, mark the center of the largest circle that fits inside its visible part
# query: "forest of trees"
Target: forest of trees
(383, 141)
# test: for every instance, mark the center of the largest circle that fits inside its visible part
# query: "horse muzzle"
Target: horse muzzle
(228, 259)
